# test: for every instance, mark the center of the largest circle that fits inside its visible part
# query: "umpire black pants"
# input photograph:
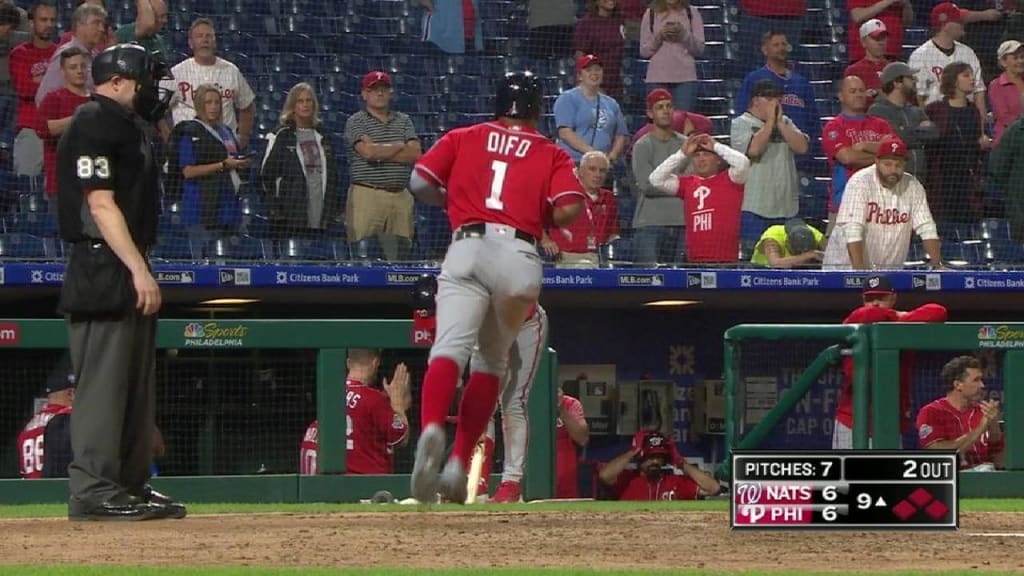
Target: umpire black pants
(115, 402)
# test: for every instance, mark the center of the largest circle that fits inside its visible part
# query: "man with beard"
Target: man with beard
(909, 122)
(651, 480)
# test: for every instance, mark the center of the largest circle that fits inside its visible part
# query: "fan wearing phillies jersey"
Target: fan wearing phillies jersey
(650, 480)
(944, 48)
(873, 38)
(712, 197)
(894, 14)
(882, 206)
(44, 445)
(375, 419)
(961, 420)
(501, 183)
(27, 65)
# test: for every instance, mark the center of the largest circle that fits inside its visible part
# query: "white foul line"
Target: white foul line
(998, 534)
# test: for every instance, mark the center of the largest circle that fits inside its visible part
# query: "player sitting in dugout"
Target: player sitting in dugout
(653, 478)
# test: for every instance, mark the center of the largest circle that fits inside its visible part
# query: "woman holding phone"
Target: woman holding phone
(672, 37)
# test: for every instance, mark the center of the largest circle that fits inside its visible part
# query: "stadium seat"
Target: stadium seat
(706, 69)
(172, 247)
(288, 63)
(716, 33)
(30, 202)
(237, 248)
(916, 257)
(960, 254)
(306, 249)
(714, 106)
(23, 246)
(382, 8)
(818, 70)
(32, 223)
(366, 249)
(993, 229)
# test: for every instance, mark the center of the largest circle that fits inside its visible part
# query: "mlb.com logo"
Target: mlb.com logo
(194, 330)
(987, 333)
(10, 334)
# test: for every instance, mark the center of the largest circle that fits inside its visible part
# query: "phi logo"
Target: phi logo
(422, 337)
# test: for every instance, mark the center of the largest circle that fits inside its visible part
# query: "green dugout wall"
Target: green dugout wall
(331, 339)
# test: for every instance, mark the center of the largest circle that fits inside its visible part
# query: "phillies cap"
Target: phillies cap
(947, 12)
(657, 95)
(891, 145)
(877, 284)
(894, 71)
(1008, 47)
(586, 60)
(873, 28)
(375, 77)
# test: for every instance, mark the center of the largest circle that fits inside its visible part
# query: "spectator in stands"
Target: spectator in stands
(790, 245)
(771, 140)
(376, 419)
(683, 122)
(57, 108)
(89, 22)
(881, 208)
(632, 12)
(954, 171)
(672, 36)
(795, 93)
(1006, 92)
(658, 219)
(650, 481)
(873, 38)
(452, 25)
(204, 157)
(961, 420)
(985, 28)
(850, 141)
(106, 36)
(894, 14)
(909, 122)
(10, 36)
(576, 244)
(299, 174)
(600, 33)
(44, 445)
(382, 149)
(551, 28)
(28, 62)
(571, 430)
(587, 119)
(758, 17)
(944, 48)
(1007, 172)
(151, 17)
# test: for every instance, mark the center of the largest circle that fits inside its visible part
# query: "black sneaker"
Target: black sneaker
(171, 509)
(121, 508)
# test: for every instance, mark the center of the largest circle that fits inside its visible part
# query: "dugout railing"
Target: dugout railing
(331, 339)
(876, 395)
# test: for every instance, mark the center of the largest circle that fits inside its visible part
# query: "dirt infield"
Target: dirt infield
(517, 539)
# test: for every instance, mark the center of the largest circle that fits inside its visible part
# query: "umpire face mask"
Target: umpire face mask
(151, 100)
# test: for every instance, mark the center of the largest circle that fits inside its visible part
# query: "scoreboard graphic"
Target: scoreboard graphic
(845, 489)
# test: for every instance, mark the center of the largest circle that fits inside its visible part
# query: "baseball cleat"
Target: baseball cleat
(508, 492)
(429, 451)
(453, 481)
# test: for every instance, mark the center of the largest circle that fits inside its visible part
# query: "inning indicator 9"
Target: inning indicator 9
(846, 489)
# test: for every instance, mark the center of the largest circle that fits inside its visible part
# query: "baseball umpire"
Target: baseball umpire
(108, 204)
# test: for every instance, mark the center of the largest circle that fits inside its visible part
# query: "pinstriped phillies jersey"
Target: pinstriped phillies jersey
(929, 61)
(235, 91)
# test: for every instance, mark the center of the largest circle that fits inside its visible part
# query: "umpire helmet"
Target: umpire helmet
(423, 292)
(519, 95)
(135, 62)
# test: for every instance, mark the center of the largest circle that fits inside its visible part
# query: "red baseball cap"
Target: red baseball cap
(586, 60)
(947, 12)
(375, 77)
(891, 145)
(657, 95)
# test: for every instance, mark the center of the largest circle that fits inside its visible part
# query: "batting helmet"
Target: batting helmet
(135, 62)
(519, 95)
(655, 444)
(423, 292)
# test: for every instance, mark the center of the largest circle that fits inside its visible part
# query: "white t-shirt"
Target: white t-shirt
(188, 74)
(929, 61)
(882, 218)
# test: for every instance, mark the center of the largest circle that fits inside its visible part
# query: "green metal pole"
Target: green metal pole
(861, 389)
(331, 412)
(885, 399)
(732, 420)
(542, 408)
(790, 332)
(1013, 408)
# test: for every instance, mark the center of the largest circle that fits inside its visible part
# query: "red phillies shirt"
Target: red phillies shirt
(598, 222)
(566, 460)
(27, 65)
(634, 486)
(870, 72)
(712, 209)
(55, 105)
(307, 450)
(774, 8)
(892, 17)
(842, 132)
(30, 441)
(502, 174)
(940, 420)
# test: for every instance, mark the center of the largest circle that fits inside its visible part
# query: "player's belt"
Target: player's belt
(479, 229)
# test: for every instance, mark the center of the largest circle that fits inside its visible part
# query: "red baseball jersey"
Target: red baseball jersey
(598, 222)
(634, 486)
(566, 459)
(870, 72)
(27, 65)
(892, 17)
(30, 440)
(842, 132)
(55, 105)
(307, 450)
(502, 174)
(774, 8)
(712, 209)
(940, 420)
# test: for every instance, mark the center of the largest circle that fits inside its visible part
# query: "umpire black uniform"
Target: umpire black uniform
(108, 205)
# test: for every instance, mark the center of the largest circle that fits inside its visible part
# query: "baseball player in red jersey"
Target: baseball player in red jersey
(504, 182)
(44, 445)
(712, 197)
(961, 420)
(650, 481)
(375, 420)
(879, 302)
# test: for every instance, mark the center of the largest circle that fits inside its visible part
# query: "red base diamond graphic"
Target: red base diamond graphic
(920, 497)
(904, 510)
(936, 510)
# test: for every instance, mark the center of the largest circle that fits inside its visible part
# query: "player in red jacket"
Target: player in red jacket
(44, 445)
(961, 420)
(650, 480)
(375, 422)
(879, 302)
(501, 183)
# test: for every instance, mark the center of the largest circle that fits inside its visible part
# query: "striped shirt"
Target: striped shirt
(235, 91)
(379, 174)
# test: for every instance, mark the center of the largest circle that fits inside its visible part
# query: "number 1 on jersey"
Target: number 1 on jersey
(493, 201)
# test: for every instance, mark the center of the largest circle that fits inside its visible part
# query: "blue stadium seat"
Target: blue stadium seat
(255, 222)
(240, 248)
(823, 89)
(409, 84)
(248, 24)
(916, 257)
(714, 106)
(999, 251)
(720, 125)
(716, 89)
(305, 249)
(818, 70)
(23, 246)
(993, 229)
(366, 249)
(706, 69)
(718, 51)
(495, 9)
(915, 36)
(960, 254)
(352, 43)
(716, 33)
(818, 53)
(172, 247)
(382, 8)
(33, 223)
(30, 201)
(306, 7)
(712, 14)
(170, 224)
(288, 62)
